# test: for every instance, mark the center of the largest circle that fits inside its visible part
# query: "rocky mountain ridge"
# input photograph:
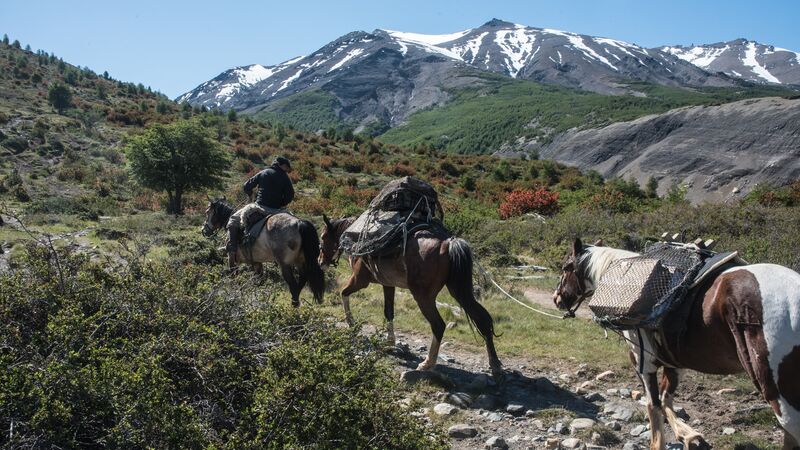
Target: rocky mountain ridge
(716, 152)
(741, 58)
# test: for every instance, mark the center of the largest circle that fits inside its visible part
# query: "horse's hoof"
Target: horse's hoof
(698, 443)
(425, 366)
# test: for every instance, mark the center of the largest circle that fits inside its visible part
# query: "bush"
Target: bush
(524, 201)
(173, 356)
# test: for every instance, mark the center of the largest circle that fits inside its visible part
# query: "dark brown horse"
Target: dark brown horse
(744, 318)
(432, 260)
(285, 239)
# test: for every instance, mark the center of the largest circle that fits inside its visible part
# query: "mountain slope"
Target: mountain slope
(743, 59)
(715, 150)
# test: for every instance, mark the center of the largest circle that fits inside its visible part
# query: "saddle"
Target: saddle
(643, 291)
(254, 221)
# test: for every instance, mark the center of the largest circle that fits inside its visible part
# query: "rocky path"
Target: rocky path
(563, 404)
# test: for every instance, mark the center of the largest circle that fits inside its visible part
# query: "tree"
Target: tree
(177, 158)
(5, 39)
(59, 96)
(231, 115)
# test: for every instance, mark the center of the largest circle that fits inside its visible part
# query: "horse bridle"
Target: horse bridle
(212, 232)
(583, 293)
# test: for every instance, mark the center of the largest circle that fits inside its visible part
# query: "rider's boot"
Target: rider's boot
(234, 235)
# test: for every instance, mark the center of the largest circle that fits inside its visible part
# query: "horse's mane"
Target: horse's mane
(222, 207)
(339, 225)
(599, 258)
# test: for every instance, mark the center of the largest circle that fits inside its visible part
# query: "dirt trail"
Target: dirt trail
(538, 401)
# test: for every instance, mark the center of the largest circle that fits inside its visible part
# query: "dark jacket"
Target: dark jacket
(275, 189)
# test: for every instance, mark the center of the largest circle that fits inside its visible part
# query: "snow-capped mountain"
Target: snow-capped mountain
(386, 75)
(743, 59)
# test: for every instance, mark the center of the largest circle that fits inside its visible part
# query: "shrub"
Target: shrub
(174, 356)
(524, 201)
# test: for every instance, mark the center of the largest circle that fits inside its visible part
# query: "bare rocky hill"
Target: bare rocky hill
(718, 152)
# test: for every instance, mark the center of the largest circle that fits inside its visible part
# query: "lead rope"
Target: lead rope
(489, 277)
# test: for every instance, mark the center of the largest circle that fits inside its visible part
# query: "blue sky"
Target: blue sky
(172, 46)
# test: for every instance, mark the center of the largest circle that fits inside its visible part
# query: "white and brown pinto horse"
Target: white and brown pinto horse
(285, 239)
(432, 259)
(744, 318)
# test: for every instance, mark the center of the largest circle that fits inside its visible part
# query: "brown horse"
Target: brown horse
(432, 259)
(744, 318)
(285, 239)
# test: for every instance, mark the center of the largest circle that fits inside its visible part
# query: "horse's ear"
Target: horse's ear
(599, 243)
(327, 221)
(577, 247)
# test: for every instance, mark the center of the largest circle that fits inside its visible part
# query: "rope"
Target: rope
(489, 277)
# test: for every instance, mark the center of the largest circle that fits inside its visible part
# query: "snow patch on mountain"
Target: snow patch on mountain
(758, 69)
(517, 45)
(577, 42)
(350, 55)
(699, 56)
(428, 42)
(471, 47)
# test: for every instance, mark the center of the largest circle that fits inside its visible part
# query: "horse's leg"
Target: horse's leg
(388, 313)
(655, 412)
(690, 438)
(647, 371)
(358, 280)
(288, 276)
(427, 304)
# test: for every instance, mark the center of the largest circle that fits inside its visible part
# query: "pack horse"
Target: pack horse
(742, 318)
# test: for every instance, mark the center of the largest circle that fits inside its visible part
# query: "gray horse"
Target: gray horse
(285, 239)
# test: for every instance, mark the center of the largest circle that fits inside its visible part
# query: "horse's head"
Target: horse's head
(329, 250)
(572, 287)
(217, 214)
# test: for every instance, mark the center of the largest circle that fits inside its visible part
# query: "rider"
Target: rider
(275, 191)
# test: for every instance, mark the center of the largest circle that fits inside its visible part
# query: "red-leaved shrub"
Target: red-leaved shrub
(524, 201)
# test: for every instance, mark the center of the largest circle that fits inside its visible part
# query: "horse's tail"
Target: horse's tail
(311, 269)
(459, 283)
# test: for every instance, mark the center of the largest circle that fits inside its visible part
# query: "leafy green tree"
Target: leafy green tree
(5, 39)
(177, 158)
(232, 115)
(59, 96)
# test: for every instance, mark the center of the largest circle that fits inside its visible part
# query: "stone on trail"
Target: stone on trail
(680, 411)
(594, 397)
(580, 424)
(462, 431)
(515, 409)
(496, 442)
(444, 409)
(636, 395)
(608, 374)
(638, 430)
(571, 443)
(433, 377)
(584, 388)
(551, 443)
(631, 446)
(494, 417)
(727, 391)
(460, 399)
(727, 430)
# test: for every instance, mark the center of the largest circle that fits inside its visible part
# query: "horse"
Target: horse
(744, 318)
(430, 260)
(291, 242)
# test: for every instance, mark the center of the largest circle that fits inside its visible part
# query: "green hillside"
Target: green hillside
(481, 120)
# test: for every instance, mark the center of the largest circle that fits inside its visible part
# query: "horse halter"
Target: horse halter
(207, 230)
(582, 293)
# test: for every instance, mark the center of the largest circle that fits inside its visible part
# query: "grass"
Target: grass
(522, 332)
(740, 441)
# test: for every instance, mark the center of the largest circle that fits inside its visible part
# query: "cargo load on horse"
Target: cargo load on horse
(403, 206)
(640, 292)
